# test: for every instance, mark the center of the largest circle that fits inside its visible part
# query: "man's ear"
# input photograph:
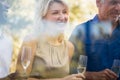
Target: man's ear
(98, 3)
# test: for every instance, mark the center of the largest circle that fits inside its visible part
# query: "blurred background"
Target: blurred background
(20, 13)
(18, 17)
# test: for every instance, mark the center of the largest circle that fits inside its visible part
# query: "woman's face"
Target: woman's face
(57, 12)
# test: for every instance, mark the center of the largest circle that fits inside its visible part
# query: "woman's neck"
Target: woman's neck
(55, 40)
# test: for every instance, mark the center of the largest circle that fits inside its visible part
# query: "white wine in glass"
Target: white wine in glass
(26, 57)
(116, 66)
(81, 69)
(82, 63)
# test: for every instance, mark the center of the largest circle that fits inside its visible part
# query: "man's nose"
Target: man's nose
(117, 6)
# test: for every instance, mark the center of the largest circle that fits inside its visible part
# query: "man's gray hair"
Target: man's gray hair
(102, 1)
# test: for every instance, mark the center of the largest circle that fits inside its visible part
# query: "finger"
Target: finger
(110, 74)
(80, 75)
(105, 75)
(113, 73)
(75, 78)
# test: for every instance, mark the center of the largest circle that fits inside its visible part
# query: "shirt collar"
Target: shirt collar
(96, 19)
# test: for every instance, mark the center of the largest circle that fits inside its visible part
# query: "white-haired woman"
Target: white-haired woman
(51, 53)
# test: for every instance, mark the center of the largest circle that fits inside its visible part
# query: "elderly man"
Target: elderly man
(99, 39)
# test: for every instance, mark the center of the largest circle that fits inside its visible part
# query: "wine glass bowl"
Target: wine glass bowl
(25, 58)
(82, 63)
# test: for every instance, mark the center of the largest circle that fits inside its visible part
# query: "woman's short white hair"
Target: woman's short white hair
(102, 1)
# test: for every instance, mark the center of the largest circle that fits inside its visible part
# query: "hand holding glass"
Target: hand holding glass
(26, 57)
(82, 63)
(116, 66)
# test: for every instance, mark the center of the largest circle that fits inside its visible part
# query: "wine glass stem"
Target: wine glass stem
(25, 74)
(25, 71)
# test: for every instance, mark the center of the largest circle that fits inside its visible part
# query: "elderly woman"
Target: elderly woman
(51, 53)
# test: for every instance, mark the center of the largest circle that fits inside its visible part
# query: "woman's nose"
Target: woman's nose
(63, 17)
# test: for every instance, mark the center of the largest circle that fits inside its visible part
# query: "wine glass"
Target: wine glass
(82, 63)
(116, 66)
(25, 58)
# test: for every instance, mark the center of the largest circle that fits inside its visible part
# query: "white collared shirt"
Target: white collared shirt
(6, 48)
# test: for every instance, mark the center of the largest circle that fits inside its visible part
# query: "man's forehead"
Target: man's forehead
(112, 1)
(115, 0)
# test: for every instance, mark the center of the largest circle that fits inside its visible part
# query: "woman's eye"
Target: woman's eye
(55, 13)
(65, 12)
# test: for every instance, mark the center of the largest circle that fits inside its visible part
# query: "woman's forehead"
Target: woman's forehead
(57, 6)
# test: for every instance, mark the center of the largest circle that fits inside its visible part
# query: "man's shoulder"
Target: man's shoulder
(85, 23)
(90, 21)
(81, 27)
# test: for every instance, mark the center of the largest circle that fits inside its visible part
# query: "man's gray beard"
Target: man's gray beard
(119, 20)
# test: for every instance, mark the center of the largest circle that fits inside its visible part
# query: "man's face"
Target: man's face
(109, 10)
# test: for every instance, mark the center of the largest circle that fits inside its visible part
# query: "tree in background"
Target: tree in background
(21, 11)
(21, 17)
(3, 13)
(81, 10)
